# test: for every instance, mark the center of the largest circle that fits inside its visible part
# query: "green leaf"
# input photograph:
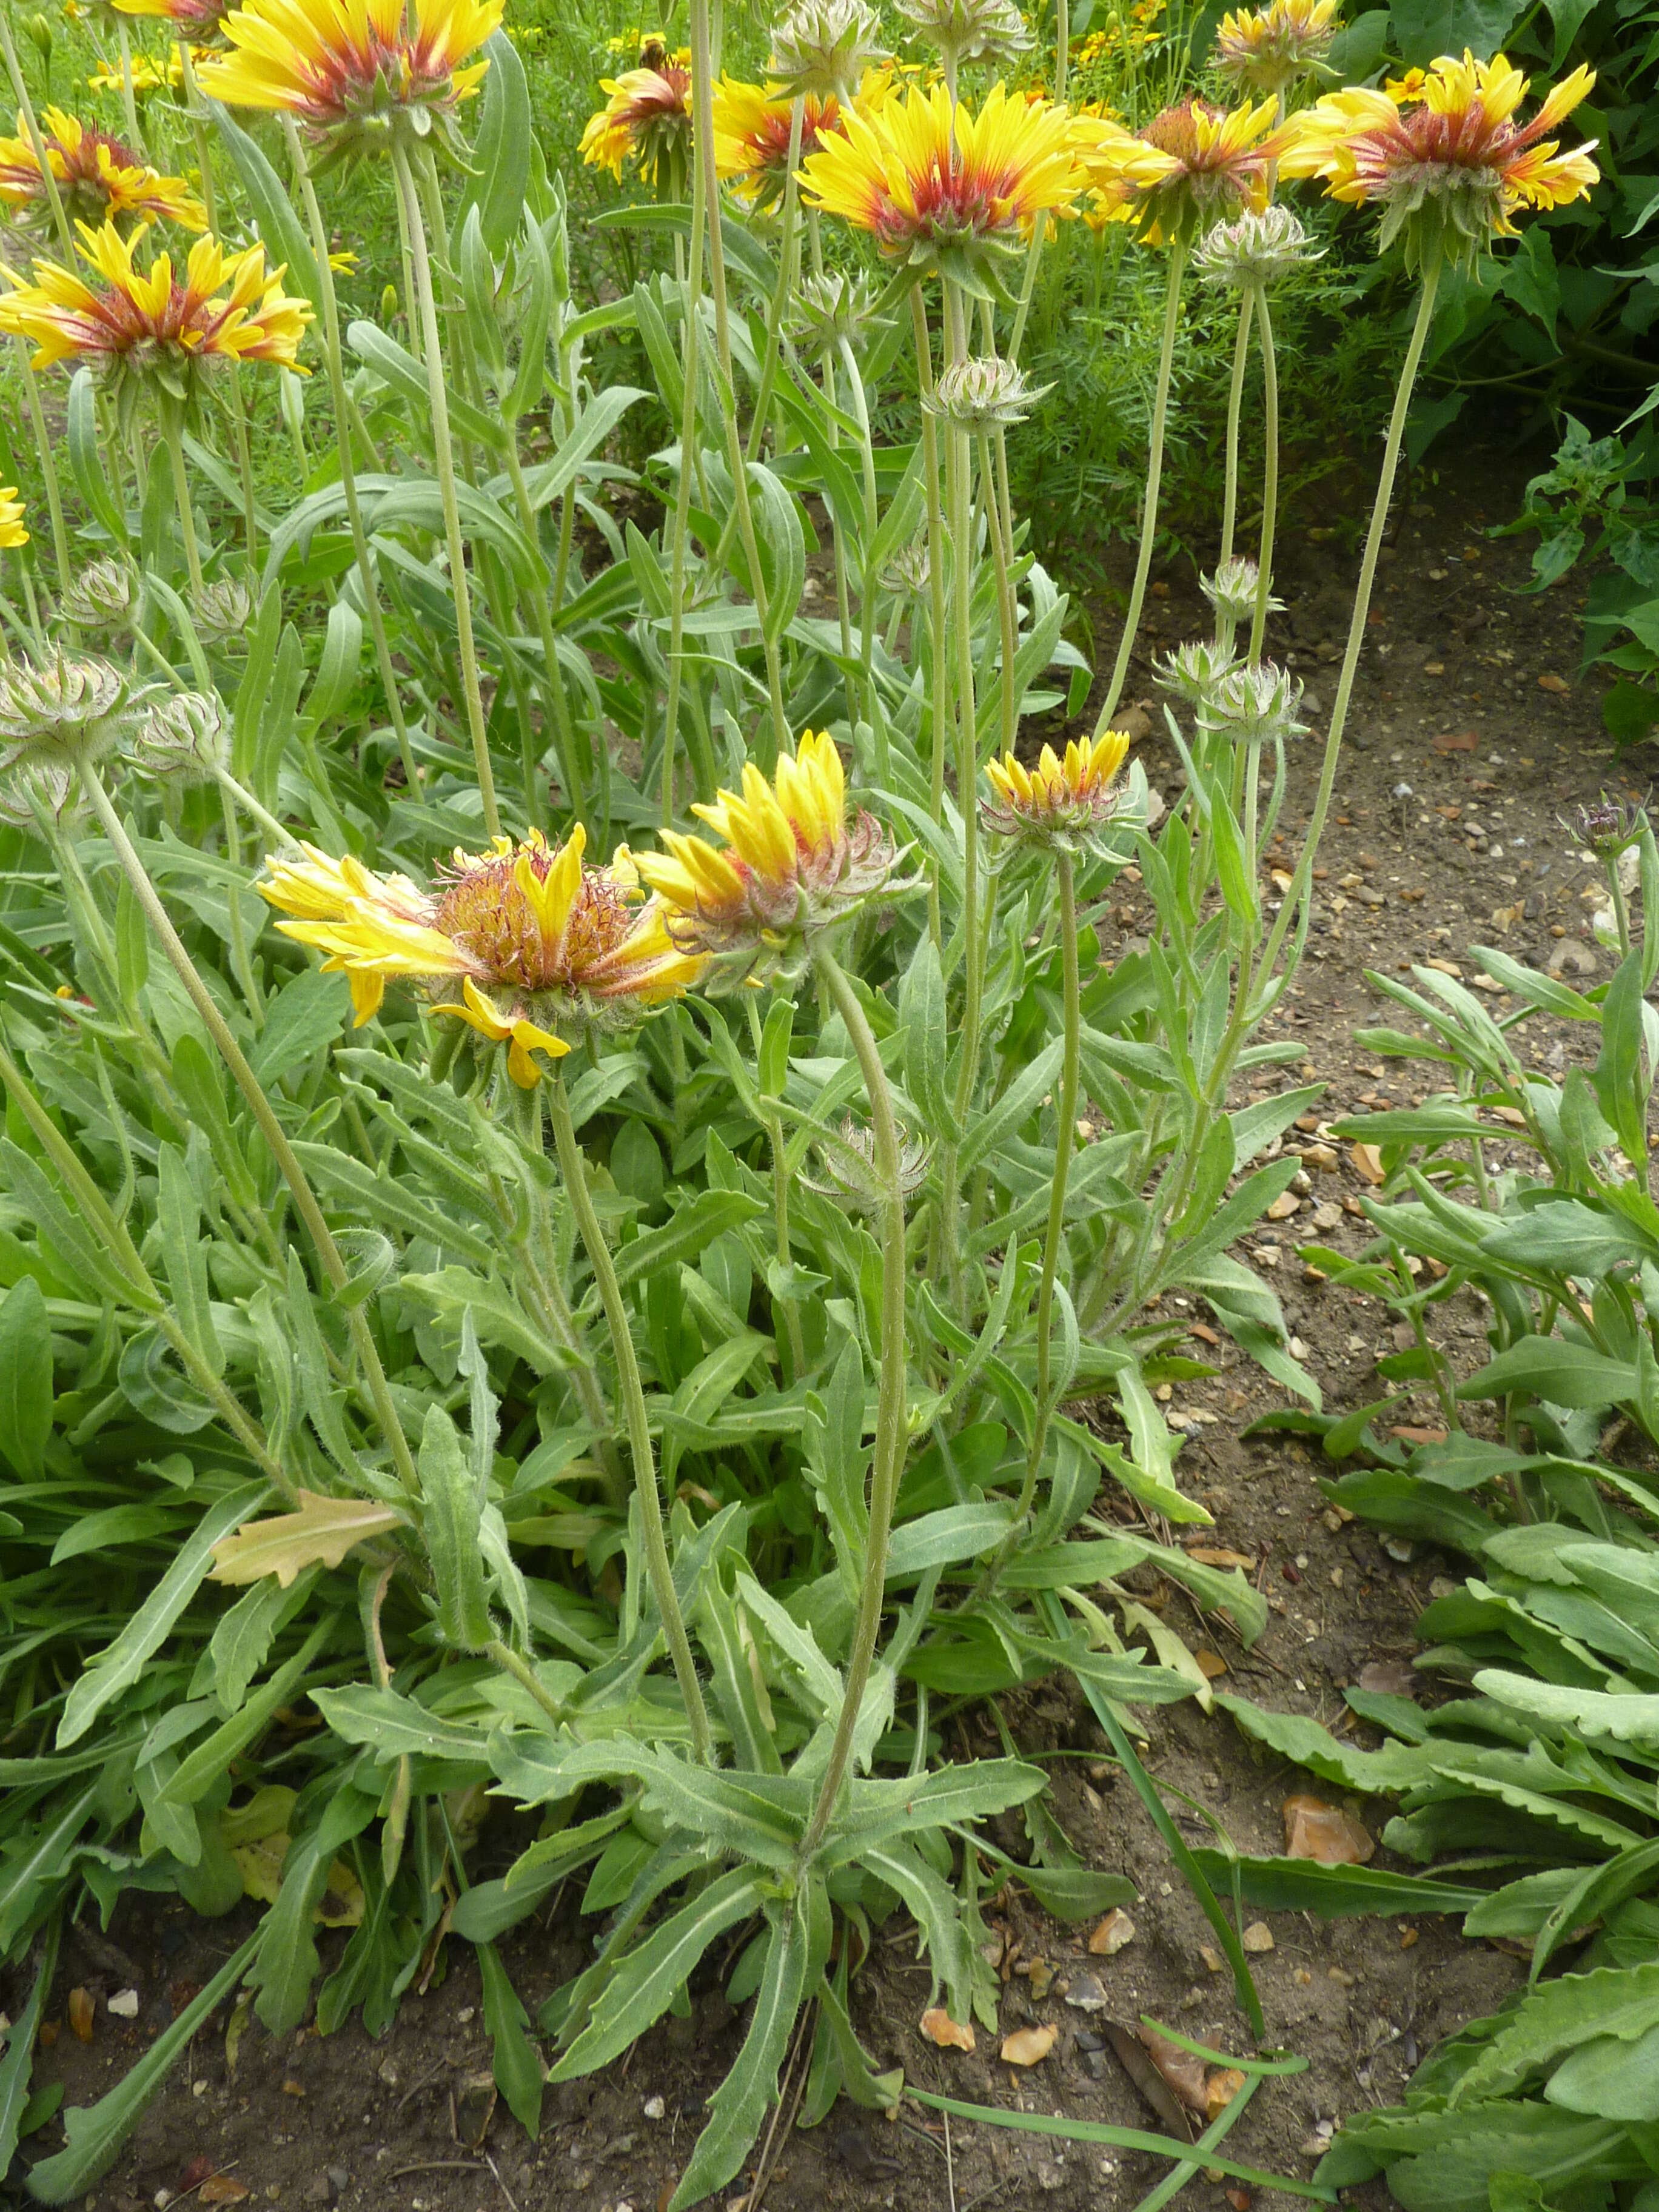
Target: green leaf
(18, 2062)
(695, 1224)
(394, 1725)
(274, 217)
(656, 1971)
(26, 1397)
(1614, 2005)
(500, 153)
(289, 1963)
(1279, 1885)
(398, 368)
(1561, 1374)
(516, 2065)
(994, 1128)
(924, 1018)
(96, 2132)
(86, 456)
(1628, 1716)
(1622, 1075)
(1425, 28)
(450, 1521)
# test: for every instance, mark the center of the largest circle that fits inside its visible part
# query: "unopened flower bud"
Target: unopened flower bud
(1610, 826)
(821, 48)
(983, 395)
(827, 309)
(68, 710)
(222, 609)
(1193, 671)
(910, 570)
(1231, 591)
(1254, 249)
(183, 736)
(969, 30)
(1254, 704)
(849, 1159)
(100, 598)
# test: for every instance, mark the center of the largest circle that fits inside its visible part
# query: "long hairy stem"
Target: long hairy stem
(573, 1169)
(1269, 473)
(888, 1462)
(48, 465)
(1234, 407)
(444, 456)
(941, 685)
(1149, 504)
(691, 370)
(173, 433)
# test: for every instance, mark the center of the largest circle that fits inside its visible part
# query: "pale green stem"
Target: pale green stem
(1065, 1145)
(276, 832)
(336, 387)
(781, 1227)
(888, 1460)
(444, 458)
(657, 1567)
(48, 465)
(872, 522)
(36, 144)
(1269, 474)
(1149, 506)
(1008, 616)
(172, 432)
(240, 957)
(1223, 628)
(782, 290)
(299, 1184)
(575, 793)
(209, 201)
(525, 1675)
(962, 580)
(134, 135)
(691, 369)
(941, 680)
(1297, 894)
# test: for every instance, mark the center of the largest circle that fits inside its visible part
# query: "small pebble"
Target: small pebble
(654, 2108)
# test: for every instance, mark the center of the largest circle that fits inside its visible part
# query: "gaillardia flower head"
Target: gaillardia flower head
(353, 72)
(1254, 249)
(983, 395)
(534, 938)
(143, 327)
(752, 136)
(645, 119)
(1266, 50)
(57, 714)
(792, 867)
(100, 597)
(1064, 803)
(12, 532)
(969, 30)
(821, 48)
(98, 180)
(1193, 165)
(1442, 156)
(197, 19)
(938, 196)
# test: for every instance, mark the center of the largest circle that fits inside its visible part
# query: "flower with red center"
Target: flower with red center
(1192, 166)
(98, 180)
(645, 119)
(1442, 156)
(951, 197)
(752, 136)
(534, 938)
(354, 72)
(153, 328)
(197, 19)
(792, 866)
(1266, 50)
(1059, 803)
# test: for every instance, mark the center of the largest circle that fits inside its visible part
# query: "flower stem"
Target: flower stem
(868, 583)
(1065, 1145)
(48, 465)
(888, 1460)
(444, 458)
(134, 135)
(36, 144)
(209, 201)
(782, 290)
(173, 432)
(691, 370)
(1235, 407)
(305, 1198)
(573, 1167)
(1269, 474)
(1007, 613)
(1149, 506)
(1297, 894)
(941, 680)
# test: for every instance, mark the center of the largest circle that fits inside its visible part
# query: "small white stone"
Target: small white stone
(124, 2004)
(465, 2015)
(654, 2108)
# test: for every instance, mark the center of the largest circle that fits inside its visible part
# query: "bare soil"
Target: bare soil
(1468, 696)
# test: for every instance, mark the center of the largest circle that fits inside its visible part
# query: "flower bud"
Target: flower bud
(821, 48)
(849, 1159)
(183, 736)
(983, 395)
(969, 30)
(1231, 591)
(827, 310)
(1610, 826)
(100, 598)
(1254, 704)
(911, 570)
(1193, 671)
(68, 710)
(222, 609)
(1254, 249)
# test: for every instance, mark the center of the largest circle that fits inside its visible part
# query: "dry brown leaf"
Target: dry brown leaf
(1558, 684)
(939, 2028)
(321, 1533)
(1325, 1833)
(1182, 2070)
(1114, 1932)
(80, 2010)
(1030, 2046)
(1221, 2085)
(1462, 741)
(1409, 1434)
(1210, 1664)
(1367, 1163)
(1217, 1555)
(222, 2188)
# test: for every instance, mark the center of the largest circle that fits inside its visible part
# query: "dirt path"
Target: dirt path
(1461, 699)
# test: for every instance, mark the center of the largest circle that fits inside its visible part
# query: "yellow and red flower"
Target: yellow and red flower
(645, 119)
(154, 323)
(349, 70)
(752, 136)
(98, 180)
(1266, 50)
(1193, 165)
(938, 192)
(197, 19)
(12, 532)
(534, 938)
(1064, 803)
(791, 865)
(1440, 152)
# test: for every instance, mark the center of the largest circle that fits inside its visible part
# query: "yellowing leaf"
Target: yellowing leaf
(261, 1867)
(322, 1532)
(939, 2028)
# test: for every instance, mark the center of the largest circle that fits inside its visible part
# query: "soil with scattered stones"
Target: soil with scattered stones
(1468, 699)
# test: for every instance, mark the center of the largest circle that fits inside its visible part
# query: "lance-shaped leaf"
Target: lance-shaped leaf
(319, 1533)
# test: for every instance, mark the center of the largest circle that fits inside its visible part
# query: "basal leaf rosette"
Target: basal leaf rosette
(538, 942)
(952, 198)
(98, 180)
(790, 865)
(1065, 804)
(1440, 154)
(646, 121)
(354, 73)
(157, 329)
(1193, 165)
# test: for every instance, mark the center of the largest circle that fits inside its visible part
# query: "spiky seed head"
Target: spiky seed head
(61, 711)
(827, 309)
(911, 570)
(849, 1161)
(1193, 671)
(1256, 703)
(1231, 591)
(222, 609)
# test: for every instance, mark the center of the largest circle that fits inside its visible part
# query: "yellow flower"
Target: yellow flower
(1193, 165)
(1059, 802)
(349, 70)
(98, 180)
(645, 119)
(154, 323)
(12, 532)
(1441, 154)
(199, 16)
(790, 865)
(1265, 50)
(146, 77)
(534, 938)
(752, 136)
(933, 203)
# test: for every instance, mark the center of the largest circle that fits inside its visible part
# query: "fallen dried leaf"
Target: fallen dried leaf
(1558, 684)
(1216, 1555)
(1408, 1434)
(1030, 2046)
(1210, 1664)
(1203, 1332)
(1444, 967)
(1325, 1833)
(939, 2028)
(80, 2009)
(1182, 2070)
(1115, 1931)
(1367, 1163)
(222, 2188)
(1461, 741)
(1221, 2085)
